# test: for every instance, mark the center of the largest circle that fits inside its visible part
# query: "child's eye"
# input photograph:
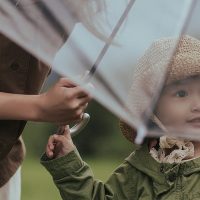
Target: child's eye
(181, 93)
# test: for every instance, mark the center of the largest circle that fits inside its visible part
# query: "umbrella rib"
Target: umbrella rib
(111, 37)
(52, 20)
(22, 12)
(103, 52)
(4, 12)
(16, 4)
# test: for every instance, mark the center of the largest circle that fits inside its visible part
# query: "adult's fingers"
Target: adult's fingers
(65, 82)
(84, 106)
(80, 92)
(83, 102)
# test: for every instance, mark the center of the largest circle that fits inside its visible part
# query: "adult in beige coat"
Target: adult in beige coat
(21, 78)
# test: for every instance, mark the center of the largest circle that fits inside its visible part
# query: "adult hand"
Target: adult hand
(65, 102)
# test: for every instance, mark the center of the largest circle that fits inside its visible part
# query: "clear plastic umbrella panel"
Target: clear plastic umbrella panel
(114, 49)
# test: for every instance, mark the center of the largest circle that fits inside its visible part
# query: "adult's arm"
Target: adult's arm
(18, 106)
(61, 104)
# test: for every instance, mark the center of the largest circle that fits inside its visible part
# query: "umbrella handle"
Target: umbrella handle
(77, 128)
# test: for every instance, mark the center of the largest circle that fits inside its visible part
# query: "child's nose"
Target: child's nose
(196, 104)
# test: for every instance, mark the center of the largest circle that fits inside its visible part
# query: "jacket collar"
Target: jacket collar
(163, 175)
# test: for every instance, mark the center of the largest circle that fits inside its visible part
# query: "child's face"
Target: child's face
(179, 105)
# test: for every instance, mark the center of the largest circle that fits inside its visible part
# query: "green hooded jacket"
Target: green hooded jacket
(140, 177)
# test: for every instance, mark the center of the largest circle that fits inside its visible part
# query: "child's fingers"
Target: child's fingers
(58, 138)
(49, 153)
(67, 136)
(50, 147)
(51, 142)
(66, 132)
(61, 130)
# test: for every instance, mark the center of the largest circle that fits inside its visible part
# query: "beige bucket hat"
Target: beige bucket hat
(165, 61)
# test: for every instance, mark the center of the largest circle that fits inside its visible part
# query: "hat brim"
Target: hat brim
(129, 132)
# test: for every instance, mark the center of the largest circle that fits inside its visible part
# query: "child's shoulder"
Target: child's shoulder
(140, 157)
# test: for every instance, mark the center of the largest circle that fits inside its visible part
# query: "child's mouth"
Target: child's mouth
(195, 122)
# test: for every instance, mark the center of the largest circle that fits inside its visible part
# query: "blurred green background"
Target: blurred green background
(101, 144)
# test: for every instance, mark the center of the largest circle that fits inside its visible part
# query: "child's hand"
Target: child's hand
(59, 145)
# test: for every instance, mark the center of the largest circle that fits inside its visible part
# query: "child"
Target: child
(164, 168)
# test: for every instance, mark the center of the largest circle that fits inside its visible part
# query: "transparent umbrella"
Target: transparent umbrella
(42, 27)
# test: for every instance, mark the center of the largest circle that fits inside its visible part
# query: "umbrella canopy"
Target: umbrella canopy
(107, 57)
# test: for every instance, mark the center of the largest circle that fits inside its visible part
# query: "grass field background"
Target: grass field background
(38, 185)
